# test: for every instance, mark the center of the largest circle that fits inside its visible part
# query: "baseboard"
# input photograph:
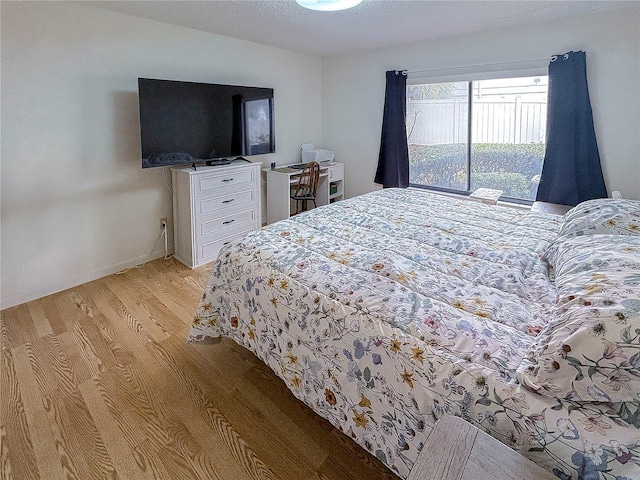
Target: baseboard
(13, 300)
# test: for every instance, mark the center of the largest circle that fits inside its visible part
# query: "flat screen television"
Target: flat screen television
(188, 122)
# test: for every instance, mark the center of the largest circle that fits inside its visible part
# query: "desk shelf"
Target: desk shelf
(336, 182)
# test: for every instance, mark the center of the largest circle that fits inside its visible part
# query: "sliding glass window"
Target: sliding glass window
(472, 134)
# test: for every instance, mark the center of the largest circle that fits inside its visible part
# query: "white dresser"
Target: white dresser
(213, 206)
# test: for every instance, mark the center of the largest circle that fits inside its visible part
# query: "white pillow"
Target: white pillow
(590, 350)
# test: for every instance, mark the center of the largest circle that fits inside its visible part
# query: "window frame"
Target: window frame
(472, 74)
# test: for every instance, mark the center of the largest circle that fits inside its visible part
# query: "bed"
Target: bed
(385, 311)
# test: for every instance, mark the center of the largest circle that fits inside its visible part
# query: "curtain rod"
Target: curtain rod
(481, 65)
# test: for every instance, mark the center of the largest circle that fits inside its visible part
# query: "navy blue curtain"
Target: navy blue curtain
(571, 172)
(393, 160)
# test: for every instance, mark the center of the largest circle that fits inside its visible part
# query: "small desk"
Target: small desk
(280, 180)
(457, 450)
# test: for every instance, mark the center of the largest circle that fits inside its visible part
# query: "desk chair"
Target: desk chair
(307, 186)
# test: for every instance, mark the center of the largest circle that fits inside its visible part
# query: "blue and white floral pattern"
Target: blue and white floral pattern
(610, 216)
(386, 311)
(600, 216)
(590, 350)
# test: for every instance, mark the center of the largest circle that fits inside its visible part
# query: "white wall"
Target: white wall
(76, 204)
(353, 88)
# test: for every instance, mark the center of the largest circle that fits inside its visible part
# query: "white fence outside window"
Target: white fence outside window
(434, 122)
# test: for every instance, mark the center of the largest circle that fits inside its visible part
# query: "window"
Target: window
(472, 134)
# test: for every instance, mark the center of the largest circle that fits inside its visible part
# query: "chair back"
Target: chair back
(307, 185)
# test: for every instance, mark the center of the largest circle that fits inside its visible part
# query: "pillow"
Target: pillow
(606, 216)
(590, 350)
(602, 216)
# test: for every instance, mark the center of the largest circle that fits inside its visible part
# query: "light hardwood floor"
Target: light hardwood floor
(98, 382)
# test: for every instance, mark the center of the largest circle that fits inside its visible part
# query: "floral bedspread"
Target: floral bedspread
(386, 311)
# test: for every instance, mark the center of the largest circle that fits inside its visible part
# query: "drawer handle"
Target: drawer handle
(229, 221)
(228, 201)
(228, 180)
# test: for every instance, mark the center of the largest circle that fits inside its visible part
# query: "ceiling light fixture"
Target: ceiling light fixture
(328, 5)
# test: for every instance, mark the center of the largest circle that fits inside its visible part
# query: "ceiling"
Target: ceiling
(372, 24)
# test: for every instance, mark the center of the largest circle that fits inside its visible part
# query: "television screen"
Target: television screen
(187, 122)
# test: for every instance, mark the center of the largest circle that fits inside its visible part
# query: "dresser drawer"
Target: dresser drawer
(336, 172)
(220, 225)
(210, 183)
(209, 248)
(224, 203)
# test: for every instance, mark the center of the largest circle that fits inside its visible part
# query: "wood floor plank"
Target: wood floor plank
(18, 456)
(86, 349)
(65, 440)
(255, 427)
(87, 434)
(238, 446)
(125, 388)
(5, 463)
(122, 409)
(121, 345)
(87, 332)
(148, 460)
(45, 453)
(280, 453)
(113, 308)
(76, 362)
(98, 382)
(176, 465)
(81, 302)
(49, 362)
(174, 298)
(180, 439)
(136, 305)
(73, 318)
(52, 313)
(166, 319)
(39, 318)
(45, 381)
(19, 326)
(215, 459)
(122, 455)
(173, 394)
(9, 390)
